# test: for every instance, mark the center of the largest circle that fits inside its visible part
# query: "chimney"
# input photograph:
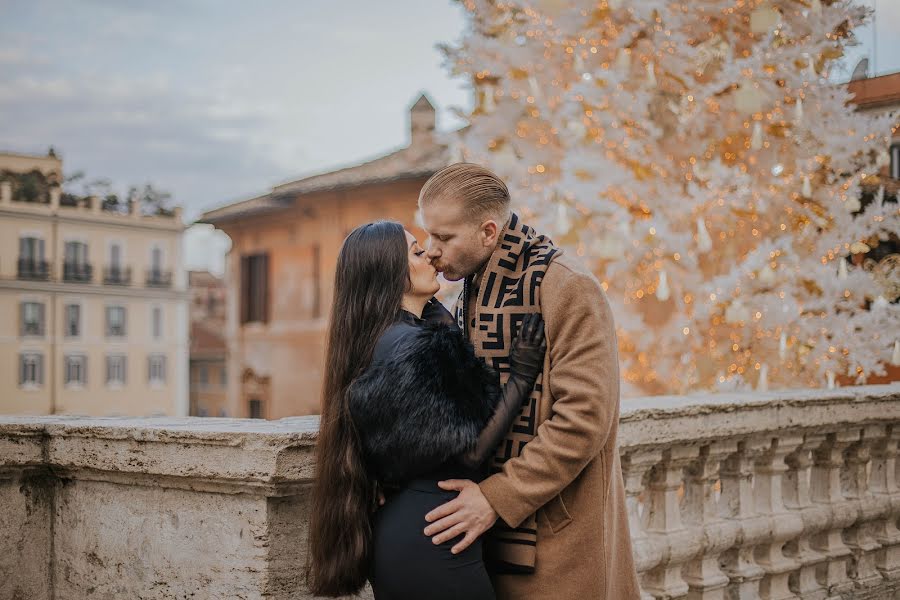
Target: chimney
(421, 123)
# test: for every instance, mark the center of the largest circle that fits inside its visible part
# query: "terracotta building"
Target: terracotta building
(279, 271)
(208, 375)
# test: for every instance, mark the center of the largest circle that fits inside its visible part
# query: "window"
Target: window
(31, 369)
(156, 259)
(31, 319)
(156, 368)
(115, 321)
(115, 369)
(75, 369)
(115, 256)
(156, 323)
(255, 409)
(254, 288)
(73, 320)
(31, 249)
(76, 253)
(895, 161)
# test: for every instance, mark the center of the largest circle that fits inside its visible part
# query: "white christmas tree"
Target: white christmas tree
(699, 157)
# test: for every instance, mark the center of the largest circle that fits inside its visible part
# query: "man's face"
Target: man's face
(456, 246)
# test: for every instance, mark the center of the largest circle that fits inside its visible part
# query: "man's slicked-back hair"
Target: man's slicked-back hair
(481, 193)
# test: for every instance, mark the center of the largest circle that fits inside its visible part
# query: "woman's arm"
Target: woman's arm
(526, 362)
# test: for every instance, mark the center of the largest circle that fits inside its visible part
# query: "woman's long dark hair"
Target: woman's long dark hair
(371, 276)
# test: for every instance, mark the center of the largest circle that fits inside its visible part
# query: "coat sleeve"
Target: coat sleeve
(583, 382)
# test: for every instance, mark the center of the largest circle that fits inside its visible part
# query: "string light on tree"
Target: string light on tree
(697, 126)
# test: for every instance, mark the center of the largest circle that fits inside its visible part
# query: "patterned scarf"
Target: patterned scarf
(509, 289)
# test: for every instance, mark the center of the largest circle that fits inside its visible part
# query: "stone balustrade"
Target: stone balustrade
(790, 494)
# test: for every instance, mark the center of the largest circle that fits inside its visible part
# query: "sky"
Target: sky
(217, 101)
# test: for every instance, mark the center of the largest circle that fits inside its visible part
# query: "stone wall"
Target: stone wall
(779, 495)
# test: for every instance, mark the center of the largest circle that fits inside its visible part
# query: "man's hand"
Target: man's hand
(468, 513)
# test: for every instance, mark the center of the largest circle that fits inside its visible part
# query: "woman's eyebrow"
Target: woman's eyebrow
(414, 242)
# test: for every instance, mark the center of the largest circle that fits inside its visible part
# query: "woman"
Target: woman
(406, 403)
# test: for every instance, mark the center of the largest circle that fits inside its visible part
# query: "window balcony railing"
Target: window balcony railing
(77, 272)
(29, 268)
(159, 278)
(117, 275)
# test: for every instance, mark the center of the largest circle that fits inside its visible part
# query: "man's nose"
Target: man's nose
(432, 252)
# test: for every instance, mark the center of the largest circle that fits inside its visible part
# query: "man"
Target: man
(555, 505)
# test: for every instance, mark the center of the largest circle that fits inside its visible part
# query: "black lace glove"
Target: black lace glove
(526, 361)
(434, 312)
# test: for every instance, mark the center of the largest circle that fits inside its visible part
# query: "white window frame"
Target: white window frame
(116, 383)
(42, 323)
(156, 377)
(123, 259)
(38, 383)
(69, 360)
(106, 321)
(162, 256)
(162, 323)
(65, 318)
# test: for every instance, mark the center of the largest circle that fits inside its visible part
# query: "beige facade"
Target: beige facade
(93, 304)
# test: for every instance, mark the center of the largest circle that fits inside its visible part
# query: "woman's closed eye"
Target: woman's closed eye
(420, 253)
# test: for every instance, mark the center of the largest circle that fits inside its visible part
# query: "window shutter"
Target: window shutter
(245, 289)
(39, 368)
(40, 249)
(124, 321)
(21, 319)
(41, 327)
(108, 321)
(264, 288)
(21, 369)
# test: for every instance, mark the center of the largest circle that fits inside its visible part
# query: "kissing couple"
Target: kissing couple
(468, 455)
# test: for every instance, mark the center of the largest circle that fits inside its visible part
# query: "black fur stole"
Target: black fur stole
(424, 401)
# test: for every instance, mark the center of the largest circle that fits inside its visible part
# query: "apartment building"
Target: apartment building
(93, 300)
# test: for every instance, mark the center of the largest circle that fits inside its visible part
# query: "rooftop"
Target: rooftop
(425, 154)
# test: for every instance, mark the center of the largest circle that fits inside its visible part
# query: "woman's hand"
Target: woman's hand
(527, 356)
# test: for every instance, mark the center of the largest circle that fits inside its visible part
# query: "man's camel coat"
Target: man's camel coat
(570, 472)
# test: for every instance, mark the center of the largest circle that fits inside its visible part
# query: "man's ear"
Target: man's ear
(489, 233)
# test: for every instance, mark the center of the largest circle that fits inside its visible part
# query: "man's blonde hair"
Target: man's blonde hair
(481, 193)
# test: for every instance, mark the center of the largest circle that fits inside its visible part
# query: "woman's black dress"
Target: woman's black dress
(419, 410)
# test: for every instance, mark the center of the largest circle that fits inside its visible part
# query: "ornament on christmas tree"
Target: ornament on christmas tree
(563, 222)
(533, 86)
(807, 187)
(623, 61)
(756, 140)
(651, 74)
(662, 288)
(749, 98)
(852, 204)
(764, 18)
(762, 385)
(842, 269)
(488, 104)
(607, 247)
(704, 242)
(737, 313)
(505, 156)
(577, 127)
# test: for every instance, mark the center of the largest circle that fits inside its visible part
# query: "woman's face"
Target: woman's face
(422, 276)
